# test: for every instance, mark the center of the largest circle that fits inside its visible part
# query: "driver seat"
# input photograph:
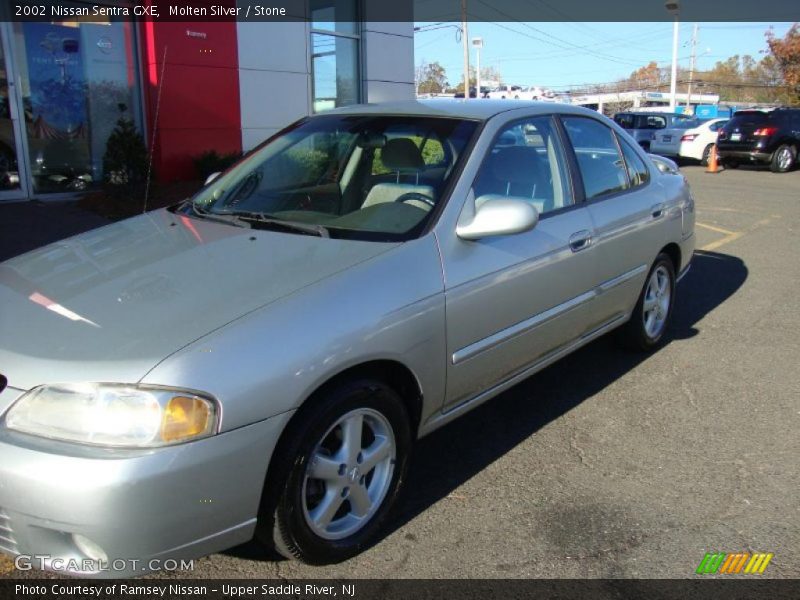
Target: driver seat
(402, 156)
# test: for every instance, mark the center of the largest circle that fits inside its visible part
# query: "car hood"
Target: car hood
(109, 304)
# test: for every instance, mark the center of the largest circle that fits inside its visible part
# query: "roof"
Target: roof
(474, 108)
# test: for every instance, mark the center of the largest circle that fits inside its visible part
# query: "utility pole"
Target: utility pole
(691, 68)
(673, 7)
(478, 43)
(465, 44)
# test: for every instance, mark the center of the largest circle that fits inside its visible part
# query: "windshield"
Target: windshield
(347, 176)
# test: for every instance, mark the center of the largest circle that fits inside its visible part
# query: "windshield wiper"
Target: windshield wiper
(228, 218)
(264, 219)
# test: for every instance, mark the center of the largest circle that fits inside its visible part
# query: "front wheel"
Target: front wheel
(346, 458)
(783, 159)
(650, 319)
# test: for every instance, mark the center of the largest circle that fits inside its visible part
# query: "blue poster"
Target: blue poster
(56, 76)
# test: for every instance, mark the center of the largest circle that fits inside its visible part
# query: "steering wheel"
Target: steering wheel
(416, 196)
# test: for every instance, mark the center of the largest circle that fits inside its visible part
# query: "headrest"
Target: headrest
(517, 164)
(402, 154)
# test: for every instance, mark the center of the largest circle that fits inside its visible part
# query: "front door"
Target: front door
(13, 184)
(512, 300)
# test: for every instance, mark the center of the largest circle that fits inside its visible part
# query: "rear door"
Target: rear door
(626, 211)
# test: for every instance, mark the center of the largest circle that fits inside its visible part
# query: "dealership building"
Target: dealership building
(188, 86)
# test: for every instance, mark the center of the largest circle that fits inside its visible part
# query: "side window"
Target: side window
(526, 162)
(654, 122)
(637, 169)
(432, 151)
(624, 120)
(602, 168)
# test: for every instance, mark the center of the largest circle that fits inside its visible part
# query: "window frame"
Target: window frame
(357, 37)
(615, 136)
(569, 164)
(646, 163)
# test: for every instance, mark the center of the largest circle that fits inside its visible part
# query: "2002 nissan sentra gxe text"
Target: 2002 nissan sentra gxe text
(258, 360)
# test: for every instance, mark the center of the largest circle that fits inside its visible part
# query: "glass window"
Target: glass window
(77, 79)
(334, 15)
(645, 121)
(526, 162)
(334, 54)
(637, 170)
(717, 126)
(321, 176)
(602, 168)
(624, 120)
(9, 167)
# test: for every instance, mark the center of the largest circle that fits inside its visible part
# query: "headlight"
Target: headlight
(114, 415)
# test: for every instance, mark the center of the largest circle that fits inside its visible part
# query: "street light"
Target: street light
(673, 7)
(478, 44)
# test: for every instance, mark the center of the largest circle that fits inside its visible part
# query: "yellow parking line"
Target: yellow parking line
(714, 228)
(726, 240)
(732, 235)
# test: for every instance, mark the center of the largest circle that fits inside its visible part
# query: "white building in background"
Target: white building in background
(640, 99)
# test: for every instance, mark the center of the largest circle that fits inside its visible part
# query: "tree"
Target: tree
(786, 52)
(431, 78)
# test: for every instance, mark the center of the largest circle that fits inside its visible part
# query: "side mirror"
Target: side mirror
(212, 177)
(498, 215)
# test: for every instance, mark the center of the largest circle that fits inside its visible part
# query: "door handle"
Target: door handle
(580, 240)
(657, 211)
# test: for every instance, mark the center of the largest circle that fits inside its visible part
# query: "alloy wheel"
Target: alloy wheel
(349, 473)
(657, 299)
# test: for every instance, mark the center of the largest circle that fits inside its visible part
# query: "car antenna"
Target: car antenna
(155, 128)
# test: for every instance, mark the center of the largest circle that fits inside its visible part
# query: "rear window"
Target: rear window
(755, 117)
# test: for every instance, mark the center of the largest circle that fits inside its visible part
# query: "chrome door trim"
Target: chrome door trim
(620, 279)
(527, 325)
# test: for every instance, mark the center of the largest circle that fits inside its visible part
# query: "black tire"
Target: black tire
(730, 163)
(634, 333)
(283, 524)
(706, 155)
(783, 159)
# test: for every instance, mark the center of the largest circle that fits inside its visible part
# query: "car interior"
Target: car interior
(523, 164)
(382, 175)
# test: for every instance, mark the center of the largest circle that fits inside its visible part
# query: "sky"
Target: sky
(557, 55)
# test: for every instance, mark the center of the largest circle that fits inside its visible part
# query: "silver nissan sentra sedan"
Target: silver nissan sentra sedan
(259, 360)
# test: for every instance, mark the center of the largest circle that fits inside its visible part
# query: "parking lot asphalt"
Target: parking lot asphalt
(615, 464)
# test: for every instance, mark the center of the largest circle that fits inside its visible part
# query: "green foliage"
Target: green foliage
(211, 161)
(126, 161)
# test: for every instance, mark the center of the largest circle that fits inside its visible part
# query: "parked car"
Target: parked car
(691, 139)
(770, 137)
(505, 91)
(643, 126)
(473, 93)
(530, 92)
(258, 360)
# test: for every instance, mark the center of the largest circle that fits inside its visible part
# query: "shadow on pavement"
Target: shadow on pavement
(452, 455)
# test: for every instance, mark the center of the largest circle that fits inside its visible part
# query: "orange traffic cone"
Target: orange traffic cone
(713, 163)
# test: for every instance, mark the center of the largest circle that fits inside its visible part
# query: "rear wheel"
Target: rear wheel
(650, 319)
(706, 155)
(783, 159)
(340, 471)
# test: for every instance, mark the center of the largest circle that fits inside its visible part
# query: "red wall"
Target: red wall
(199, 108)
